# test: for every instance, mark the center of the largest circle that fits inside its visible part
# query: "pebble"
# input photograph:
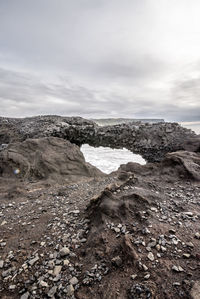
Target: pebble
(57, 270)
(176, 284)
(186, 255)
(52, 291)
(145, 268)
(150, 256)
(117, 261)
(73, 281)
(197, 236)
(147, 276)
(44, 284)
(3, 223)
(1, 264)
(70, 290)
(33, 261)
(66, 262)
(133, 276)
(177, 268)
(64, 251)
(25, 295)
(189, 244)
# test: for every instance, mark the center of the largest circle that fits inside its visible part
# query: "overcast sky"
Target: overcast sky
(100, 58)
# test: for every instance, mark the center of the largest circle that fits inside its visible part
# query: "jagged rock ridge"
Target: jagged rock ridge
(151, 141)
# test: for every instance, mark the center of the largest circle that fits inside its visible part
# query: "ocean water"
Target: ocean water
(108, 160)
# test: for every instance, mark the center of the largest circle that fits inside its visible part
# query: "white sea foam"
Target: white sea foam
(107, 159)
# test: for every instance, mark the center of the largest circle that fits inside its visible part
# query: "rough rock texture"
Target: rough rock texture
(47, 158)
(145, 231)
(137, 237)
(177, 165)
(152, 141)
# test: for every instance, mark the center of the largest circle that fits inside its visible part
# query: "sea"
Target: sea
(109, 160)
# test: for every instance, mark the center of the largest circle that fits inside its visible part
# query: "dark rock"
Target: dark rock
(139, 291)
(152, 141)
(48, 158)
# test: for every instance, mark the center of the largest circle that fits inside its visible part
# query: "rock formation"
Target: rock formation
(151, 141)
(48, 158)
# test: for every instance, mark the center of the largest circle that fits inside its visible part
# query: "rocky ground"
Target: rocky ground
(133, 234)
(69, 231)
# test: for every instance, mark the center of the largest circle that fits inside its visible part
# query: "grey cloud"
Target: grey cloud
(99, 58)
(23, 94)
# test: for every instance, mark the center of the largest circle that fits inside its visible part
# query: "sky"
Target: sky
(100, 58)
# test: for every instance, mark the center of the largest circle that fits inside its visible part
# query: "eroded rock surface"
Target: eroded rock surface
(152, 141)
(53, 159)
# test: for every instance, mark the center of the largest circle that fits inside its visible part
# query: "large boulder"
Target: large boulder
(176, 165)
(48, 158)
(187, 164)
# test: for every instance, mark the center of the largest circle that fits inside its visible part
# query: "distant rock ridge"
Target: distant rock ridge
(117, 121)
(151, 140)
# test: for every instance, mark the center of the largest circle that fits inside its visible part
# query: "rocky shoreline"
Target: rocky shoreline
(151, 140)
(69, 231)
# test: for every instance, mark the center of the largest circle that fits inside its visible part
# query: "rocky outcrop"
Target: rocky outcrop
(151, 141)
(145, 229)
(49, 158)
(177, 165)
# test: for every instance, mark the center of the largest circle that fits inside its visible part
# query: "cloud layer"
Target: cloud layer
(100, 58)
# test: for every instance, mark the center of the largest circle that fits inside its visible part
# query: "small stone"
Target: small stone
(57, 270)
(189, 244)
(172, 231)
(190, 214)
(44, 284)
(163, 249)
(133, 276)
(174, 241)
(147, 276)
(117, 261)
(76, 212)
(12, 287)
(186, 255)
(152, 243)
(176, 284)
(158, 247)
(33, 261)
(52, 291)
(66, 262)
(117, 230)
(195, 291)
(84, 240)
(1, 264)
(177, 268)
(70, 290)
(25, 295)
(64, 251)
(154, 209)
(73, 281)
(3, 223)
(150, 256)
(197, 235)
(145, 268)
